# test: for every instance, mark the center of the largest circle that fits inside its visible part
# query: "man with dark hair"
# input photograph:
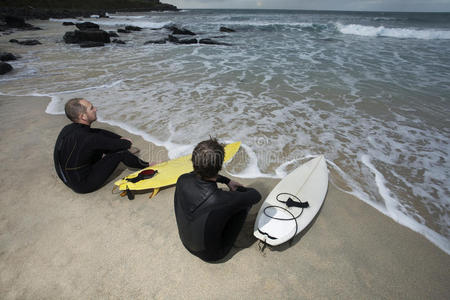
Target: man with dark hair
(208, 218)
(85, 157)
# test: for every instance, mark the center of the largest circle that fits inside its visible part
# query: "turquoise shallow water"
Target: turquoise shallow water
(370, 91)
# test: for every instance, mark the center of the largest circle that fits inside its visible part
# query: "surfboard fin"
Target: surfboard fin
(153, 194)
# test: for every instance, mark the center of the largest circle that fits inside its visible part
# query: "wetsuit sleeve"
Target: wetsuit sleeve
(248, 195)
(223, 179)
(105, 143)
(245, 197)
(105, 133)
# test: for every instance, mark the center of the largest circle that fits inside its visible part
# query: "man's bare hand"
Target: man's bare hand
(134, 150)
(124, 138)
(233, 185)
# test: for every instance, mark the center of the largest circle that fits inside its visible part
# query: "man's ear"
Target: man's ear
(83, 117)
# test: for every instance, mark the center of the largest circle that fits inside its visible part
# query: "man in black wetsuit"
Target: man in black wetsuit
(85, 157)
(208, 218)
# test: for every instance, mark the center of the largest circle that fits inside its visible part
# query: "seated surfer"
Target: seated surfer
(85, 157)
(208, 218)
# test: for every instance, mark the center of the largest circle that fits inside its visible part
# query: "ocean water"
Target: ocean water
(370, 91)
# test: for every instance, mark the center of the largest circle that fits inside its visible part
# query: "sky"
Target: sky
(364, 5)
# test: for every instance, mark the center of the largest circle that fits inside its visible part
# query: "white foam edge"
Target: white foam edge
(173, 149)
(398, 216)
(372, 31)
(251, 170)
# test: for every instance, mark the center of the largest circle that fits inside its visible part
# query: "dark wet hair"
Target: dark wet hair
(207, 158)
(74, 108)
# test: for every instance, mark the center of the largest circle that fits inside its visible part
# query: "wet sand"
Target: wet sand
(55, 243)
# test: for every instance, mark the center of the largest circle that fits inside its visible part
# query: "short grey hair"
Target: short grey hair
(74, 108)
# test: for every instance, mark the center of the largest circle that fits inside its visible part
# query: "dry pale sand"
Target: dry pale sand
(58, 244)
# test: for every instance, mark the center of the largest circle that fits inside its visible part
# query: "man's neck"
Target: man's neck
(83, 122)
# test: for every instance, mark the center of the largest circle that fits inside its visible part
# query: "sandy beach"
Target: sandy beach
(55, 243)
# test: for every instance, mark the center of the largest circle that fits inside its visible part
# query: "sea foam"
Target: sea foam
(362, 30)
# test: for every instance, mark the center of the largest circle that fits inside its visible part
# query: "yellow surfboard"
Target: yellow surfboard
(168, 172)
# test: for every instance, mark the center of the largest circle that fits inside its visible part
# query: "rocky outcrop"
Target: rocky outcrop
(46, 13)
(18, 22)
(26, 42)
(78, 36)
(212, 42)
(175, 40)
(117, 41)
(133, 28)
(13, 22)
(121, 30)
(68, 23)
(160, 41)
(226, 29)
(87, 26)
(90, 44)
(5, 56)
(113, 34)
(5, 68)
(176, 30)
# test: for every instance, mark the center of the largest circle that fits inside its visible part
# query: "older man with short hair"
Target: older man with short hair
(85, 157)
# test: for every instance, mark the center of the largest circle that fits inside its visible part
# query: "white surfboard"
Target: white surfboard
(276, 222)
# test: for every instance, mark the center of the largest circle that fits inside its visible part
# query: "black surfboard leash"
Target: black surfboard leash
(289, 203)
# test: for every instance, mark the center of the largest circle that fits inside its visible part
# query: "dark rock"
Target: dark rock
(173, 39)
(188, 41)
(26, 42)
(46, 13)
(225, 29)
(212, 42)
(161, 41)
(176, 40)
(77, 36)
(133, 28)
(5, 68)
(18, 22)
(176, 30)
(68, 23)
(117, 41)
(113, 34)
(4, 56)
(120, 30)
(30, 42)
(87, 26)
(91, 44)
(70, 38)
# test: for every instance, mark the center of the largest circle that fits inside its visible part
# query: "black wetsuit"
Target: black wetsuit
(208, 218)
(85, 157)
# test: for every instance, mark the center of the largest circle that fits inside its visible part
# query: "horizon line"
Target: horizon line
(328, 10)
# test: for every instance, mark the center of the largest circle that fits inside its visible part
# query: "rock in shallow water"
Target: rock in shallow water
(26, 42)
(226, 29)
(77, 36)
(87, 26)
(90, 44)
(5, 68)
(4, 56)
(117, 41)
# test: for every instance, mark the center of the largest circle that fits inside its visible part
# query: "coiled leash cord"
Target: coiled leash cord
(289, 203)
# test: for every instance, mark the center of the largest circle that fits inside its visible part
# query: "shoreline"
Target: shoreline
(163, 154)
(58, 244)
